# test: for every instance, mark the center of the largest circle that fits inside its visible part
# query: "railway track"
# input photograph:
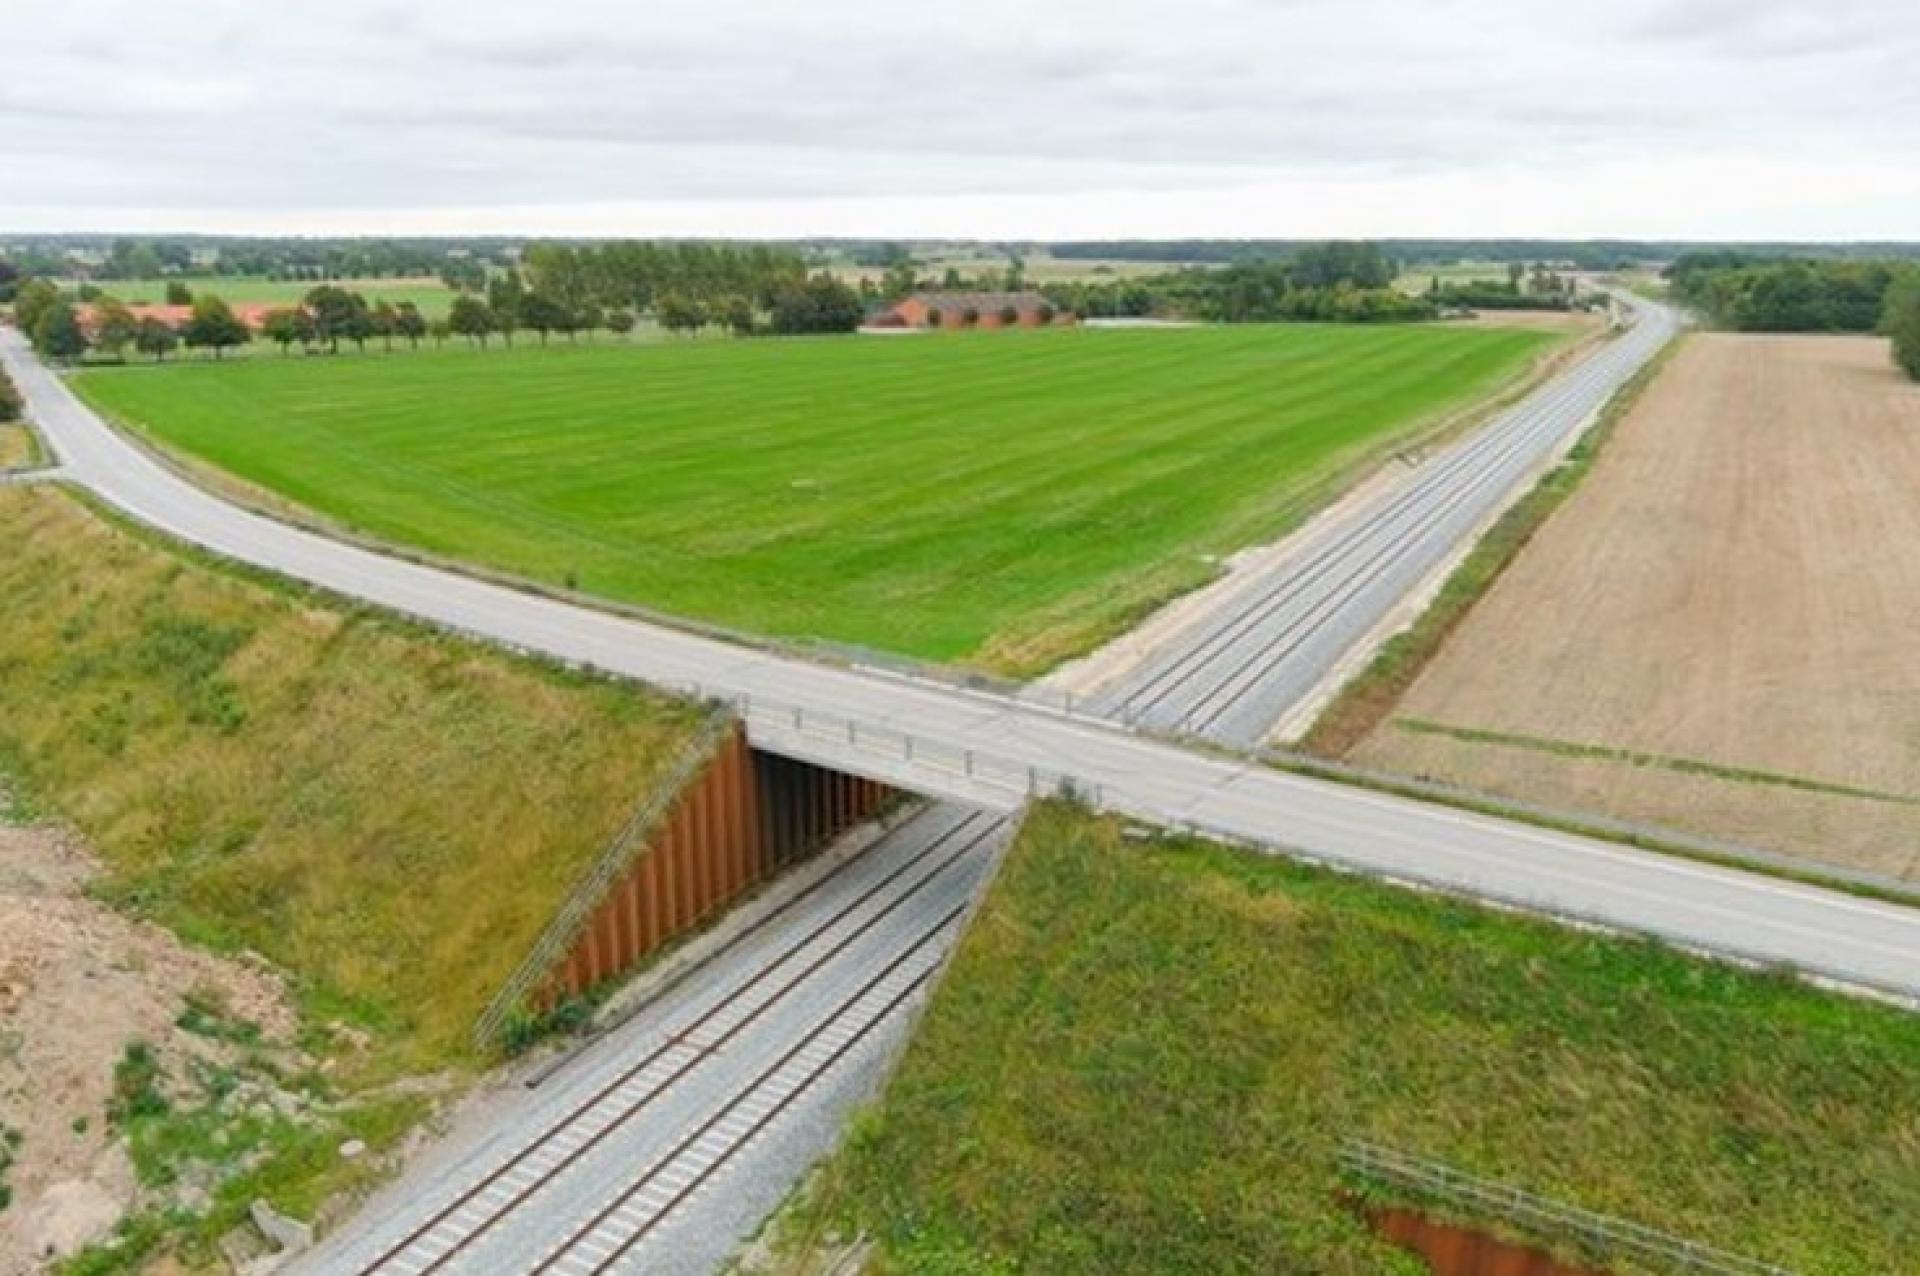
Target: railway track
(519, 1182)
(606, 1241)
(1203, 684)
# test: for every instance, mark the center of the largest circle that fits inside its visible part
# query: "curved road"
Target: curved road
(991, 750)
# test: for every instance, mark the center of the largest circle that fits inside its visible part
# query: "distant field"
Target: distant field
(1002, 498)
(1146, 1054)
(1039, 269)
(432, 296)
(1416, 278)
(1715, 632)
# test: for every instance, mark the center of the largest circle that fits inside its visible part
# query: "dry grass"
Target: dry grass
(1730, 593)
(19, 449)
(389, 814)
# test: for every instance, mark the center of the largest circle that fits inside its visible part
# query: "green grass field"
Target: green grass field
(432, 296)
(1146, 1055)
(1004, 499)
(1415, 279)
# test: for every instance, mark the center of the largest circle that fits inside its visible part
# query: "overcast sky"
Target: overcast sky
(980, 118)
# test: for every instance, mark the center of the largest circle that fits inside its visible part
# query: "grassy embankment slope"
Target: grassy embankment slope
(387, 814)
(1145, 1056)
(1005, 499)
(18, 450)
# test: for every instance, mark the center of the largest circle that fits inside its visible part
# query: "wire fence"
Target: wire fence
(1603, 1238)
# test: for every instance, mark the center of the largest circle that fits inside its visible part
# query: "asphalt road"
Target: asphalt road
(1278, 637)
(989, 750)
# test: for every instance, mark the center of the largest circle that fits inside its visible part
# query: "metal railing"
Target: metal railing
(1599, 1236)
(593, 885)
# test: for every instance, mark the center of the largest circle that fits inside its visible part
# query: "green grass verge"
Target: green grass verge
(387, 813)
(1007, 499)
(1366, 701)
(1146, 1054)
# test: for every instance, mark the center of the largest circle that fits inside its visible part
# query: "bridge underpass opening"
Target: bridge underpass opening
(745, 817)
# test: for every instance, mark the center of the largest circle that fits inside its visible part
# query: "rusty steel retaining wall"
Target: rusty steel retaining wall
(743, 818)
(1462, 1251)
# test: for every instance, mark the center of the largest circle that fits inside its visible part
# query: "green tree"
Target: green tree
(737, 314)
(1901, 321)
(338, 314)
(178, 294)
(440, 329)
(679, 313)
(114, 327)
(543, 312)
(157, 338)
(11, 405)
(409, 323)
(285, 326)
(215, 327)
(57, 334)
(620, 323)
(471, 318)
(31, 300)
(507, 297)
(385, 322)
(821, 303)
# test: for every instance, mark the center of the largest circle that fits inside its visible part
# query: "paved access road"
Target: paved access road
(989, 750)
(1274, 642)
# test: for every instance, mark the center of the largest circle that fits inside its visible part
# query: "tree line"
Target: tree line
(1759, 294)
(1738, 290)
(558, 300)
(1338, 281)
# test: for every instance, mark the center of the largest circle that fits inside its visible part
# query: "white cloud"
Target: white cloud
(1684, 117)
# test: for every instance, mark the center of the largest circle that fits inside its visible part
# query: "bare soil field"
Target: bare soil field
(79, 984)
(1533, 320)
(1715, 634)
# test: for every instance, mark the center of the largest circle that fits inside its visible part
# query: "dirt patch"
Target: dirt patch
(1715, 632)
(79, 983)
(1533, 320)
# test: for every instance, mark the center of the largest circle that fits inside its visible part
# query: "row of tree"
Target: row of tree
(1344, 282)
(51, 320)
(1753, 294)
(330, 314)
(1762, 294)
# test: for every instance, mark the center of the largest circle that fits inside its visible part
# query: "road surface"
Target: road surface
(990, 750)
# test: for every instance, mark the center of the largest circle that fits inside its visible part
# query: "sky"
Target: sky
(993, 119)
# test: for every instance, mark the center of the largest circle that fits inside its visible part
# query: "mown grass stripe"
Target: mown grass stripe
(949, 497)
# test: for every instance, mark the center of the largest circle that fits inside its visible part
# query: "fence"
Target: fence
(561, 932)
(1605, 1239)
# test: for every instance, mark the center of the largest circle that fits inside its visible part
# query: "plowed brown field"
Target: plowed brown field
(1720, 631)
